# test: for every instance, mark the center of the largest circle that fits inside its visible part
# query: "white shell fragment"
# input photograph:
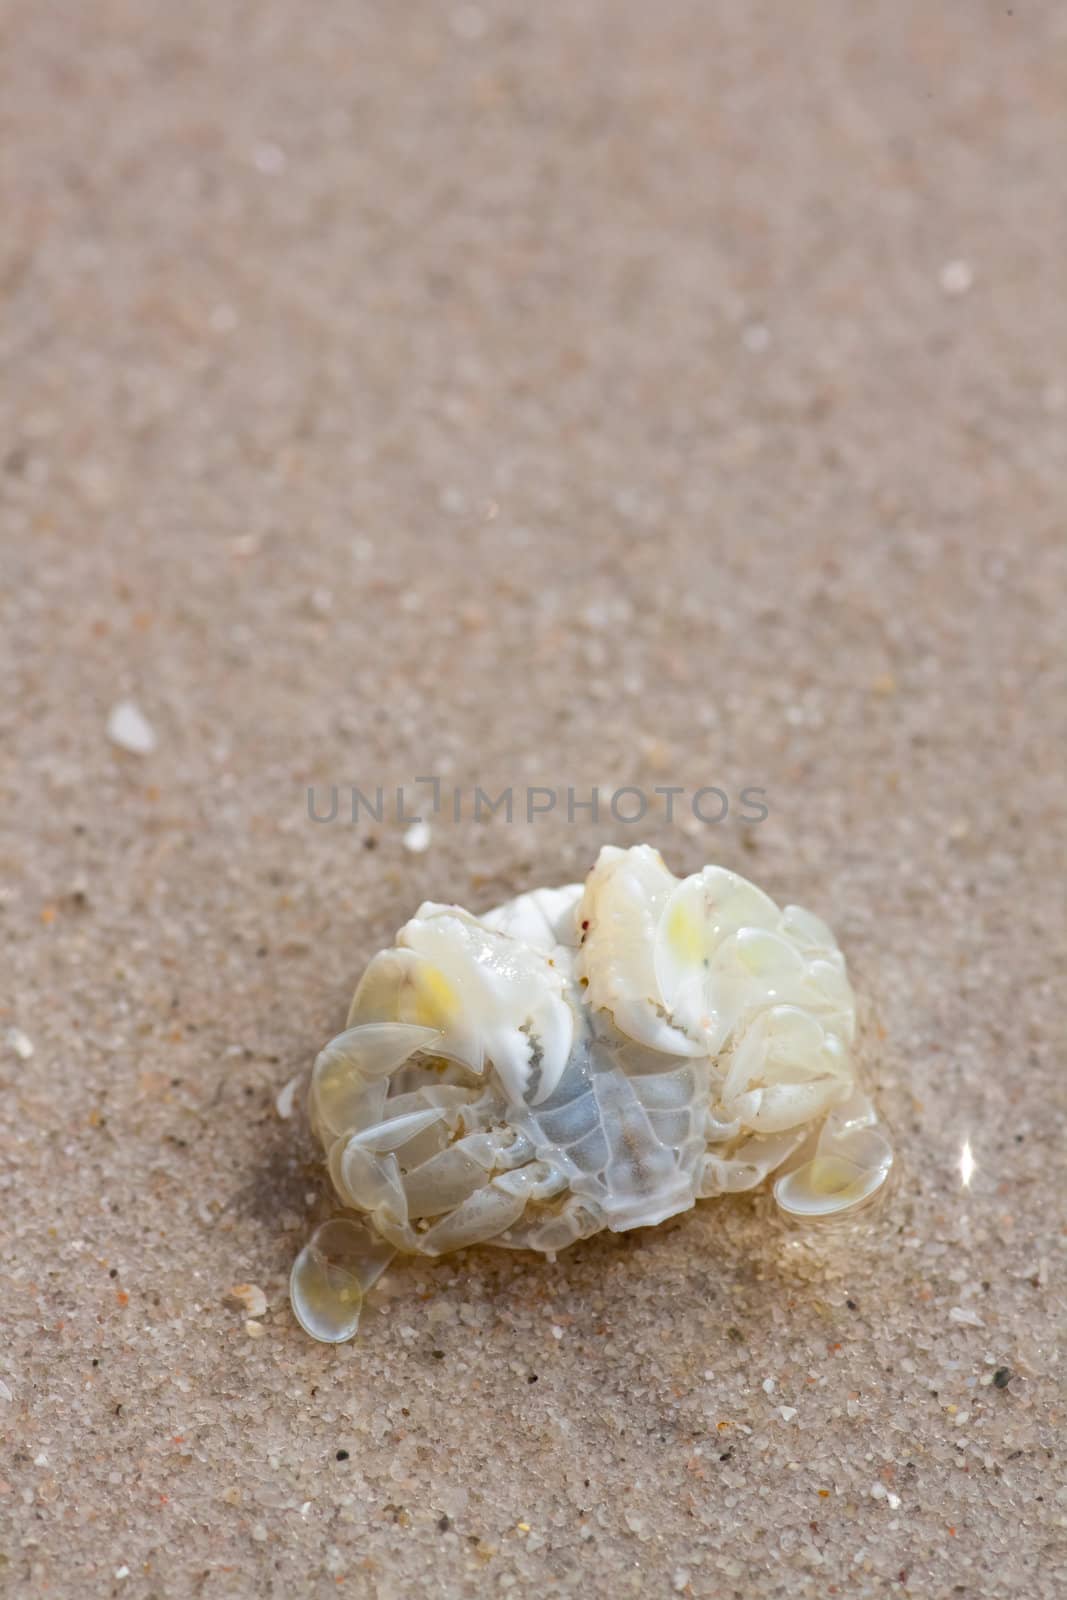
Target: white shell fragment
(20, 1043)
(596, 1056)
(129, 728)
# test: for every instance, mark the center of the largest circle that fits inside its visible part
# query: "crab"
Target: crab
(597, 1056)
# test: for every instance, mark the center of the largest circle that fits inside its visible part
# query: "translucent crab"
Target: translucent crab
(596, 1056)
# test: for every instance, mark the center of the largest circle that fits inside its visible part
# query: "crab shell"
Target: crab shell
(595, 1056)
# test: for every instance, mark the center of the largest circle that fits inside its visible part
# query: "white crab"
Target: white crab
(597, 1056)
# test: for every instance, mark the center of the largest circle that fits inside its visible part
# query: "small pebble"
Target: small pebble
(5, 1392)
(964, 1315)
(128, 728)
(255, 1330)
(250, 1296)
(283, 1100)
(20, 1043)
(1002, 1377)
(956, 277)
(417, 838)
(269, 159)
(453, 500)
